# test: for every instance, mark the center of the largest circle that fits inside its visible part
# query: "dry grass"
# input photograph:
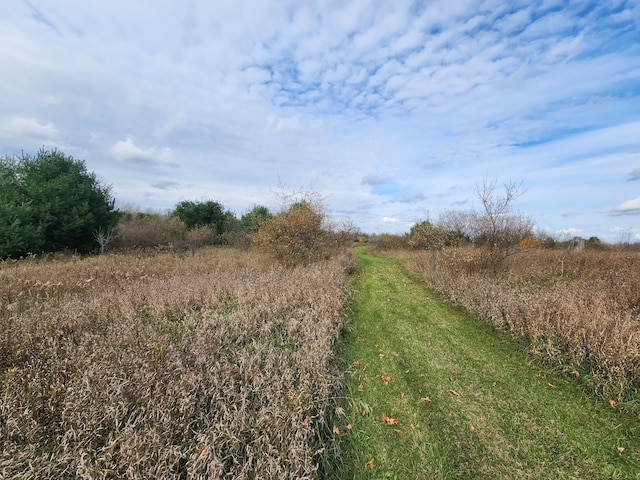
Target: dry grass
(580, 308)
(166, 366)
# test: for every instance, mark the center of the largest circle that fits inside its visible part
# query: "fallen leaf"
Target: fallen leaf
(401, 394)
(399, 432)
(385, 378)
(307, 420)
(381, 355)
(356, 363)
(388, 420)
(425, 399)
(552, 385)
(494, 384)
(349, 426)
(371, 464)
(336, 430)
(360, 387)
(612, 402)
(621, 449)
(472, 429)
(453, 392)
(412, 426)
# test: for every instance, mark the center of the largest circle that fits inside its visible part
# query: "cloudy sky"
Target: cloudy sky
(393, 110)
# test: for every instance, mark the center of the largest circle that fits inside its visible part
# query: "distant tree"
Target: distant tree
(253, 219)
(594, 243)
(495, 226)
(202, 214)
(426, 235)
(430, 236)
(457, 223)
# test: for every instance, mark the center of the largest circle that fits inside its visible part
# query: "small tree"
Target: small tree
(294, 236)
(103, 237)
(200, 214)
(253, 219)
(496, 227)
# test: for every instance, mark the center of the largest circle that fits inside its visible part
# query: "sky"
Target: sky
(394, 111)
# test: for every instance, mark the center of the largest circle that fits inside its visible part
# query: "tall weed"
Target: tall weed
(214, 365)
(580, 308)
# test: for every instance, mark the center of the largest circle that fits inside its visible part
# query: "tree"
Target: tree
(52, 203)
(496, 227)
(202, 214)
(253, 219)
(20, 232)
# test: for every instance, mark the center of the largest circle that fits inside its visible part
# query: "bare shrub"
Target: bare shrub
(167, 366)
(581, 308)
(149, 231)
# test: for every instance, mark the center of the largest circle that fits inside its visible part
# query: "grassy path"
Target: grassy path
(468, 401)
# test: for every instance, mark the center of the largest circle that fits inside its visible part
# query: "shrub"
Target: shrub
(149, 231)
(297, 235)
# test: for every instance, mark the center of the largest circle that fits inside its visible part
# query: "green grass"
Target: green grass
(469, 402)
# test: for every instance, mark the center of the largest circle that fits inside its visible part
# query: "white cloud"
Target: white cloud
(370, 102)
(28, 128)
(128, 151)
(629, 207)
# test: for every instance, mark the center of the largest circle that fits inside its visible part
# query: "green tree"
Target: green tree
(202, 214)
(20, 232)
(69, 203)
(51, 202)
(253, 219)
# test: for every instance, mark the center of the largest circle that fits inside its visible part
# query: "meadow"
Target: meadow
(169, 365)
(580, 310)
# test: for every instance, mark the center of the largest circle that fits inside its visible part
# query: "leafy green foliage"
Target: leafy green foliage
(252, 220)
(200, 214)
(51, 202)
(19, 233)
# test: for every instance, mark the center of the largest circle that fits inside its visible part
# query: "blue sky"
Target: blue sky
(395, 111)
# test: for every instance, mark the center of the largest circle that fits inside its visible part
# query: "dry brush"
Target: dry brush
(167, 366)
(579, 308)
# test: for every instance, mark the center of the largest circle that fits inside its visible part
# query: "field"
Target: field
(434, 393)
(221, 363)
(165, 365)
(580, 310)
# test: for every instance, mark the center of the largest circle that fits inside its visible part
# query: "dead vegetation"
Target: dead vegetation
(166, 366)
(581, 309)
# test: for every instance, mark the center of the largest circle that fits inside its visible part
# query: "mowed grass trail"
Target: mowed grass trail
(435, 394)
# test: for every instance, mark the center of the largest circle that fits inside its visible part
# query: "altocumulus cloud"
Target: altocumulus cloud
(369, 101)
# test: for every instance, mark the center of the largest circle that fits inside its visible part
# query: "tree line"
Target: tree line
(50, 202)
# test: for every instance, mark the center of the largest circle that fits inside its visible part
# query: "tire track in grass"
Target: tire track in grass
(434, 393)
